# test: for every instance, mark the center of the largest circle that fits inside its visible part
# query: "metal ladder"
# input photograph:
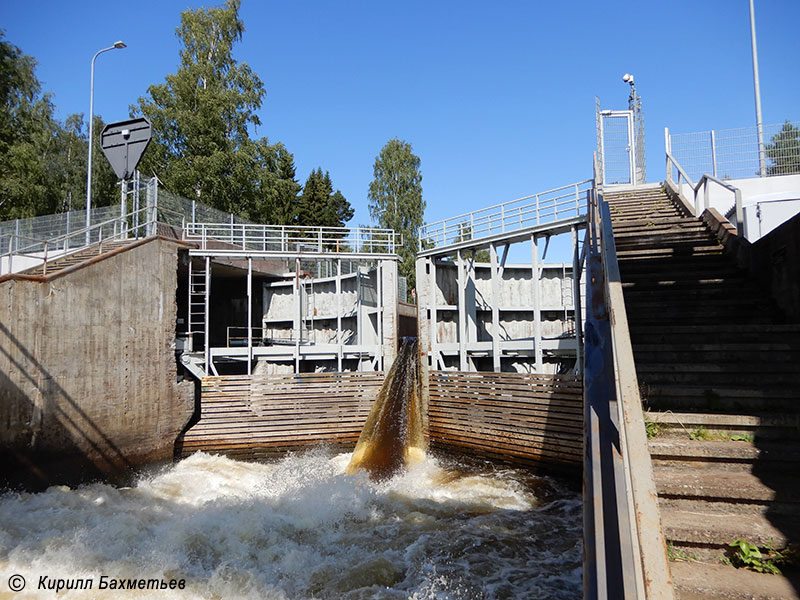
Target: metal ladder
(198, 291)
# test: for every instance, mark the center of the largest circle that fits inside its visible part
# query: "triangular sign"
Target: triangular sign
(124, 143)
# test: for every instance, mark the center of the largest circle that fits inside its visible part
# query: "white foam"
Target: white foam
(301, 528)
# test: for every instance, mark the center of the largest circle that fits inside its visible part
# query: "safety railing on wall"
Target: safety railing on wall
(736, 154)
(624, 547)
(29, 252)
(285, 238)
(545, 207)
(704, 185)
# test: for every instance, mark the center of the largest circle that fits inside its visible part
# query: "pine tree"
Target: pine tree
(319, 205)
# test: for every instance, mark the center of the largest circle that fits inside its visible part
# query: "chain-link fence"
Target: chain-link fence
(170, 209)
(734, 153)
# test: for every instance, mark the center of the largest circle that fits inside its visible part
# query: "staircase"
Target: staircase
(63, 262)
(719, 373)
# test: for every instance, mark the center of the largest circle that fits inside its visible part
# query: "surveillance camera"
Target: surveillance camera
(126, 133)
(627, 78)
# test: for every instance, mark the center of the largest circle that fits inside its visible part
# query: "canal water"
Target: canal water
(299, 528)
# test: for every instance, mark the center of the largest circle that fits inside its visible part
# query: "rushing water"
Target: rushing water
(302, 527)
(393, 437)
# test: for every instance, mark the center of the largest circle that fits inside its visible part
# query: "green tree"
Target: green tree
(27, 146)
(783, 151)
(465, 234)
(395, 199)
(286, 189)
(202, 115)
(319, 205)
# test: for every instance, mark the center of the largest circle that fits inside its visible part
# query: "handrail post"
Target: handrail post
(741, 225)
(668, 147)
(44, 265)
(713, 153)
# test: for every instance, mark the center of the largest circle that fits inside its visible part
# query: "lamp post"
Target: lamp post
(117, 45)
(762, 167)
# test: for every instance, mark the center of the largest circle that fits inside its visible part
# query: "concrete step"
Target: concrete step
(671, 252)
(714, 375)
(723, 486)
(676, 221)
(722, 332)
(64, 262)
(700, 581)
(708, 535)
(678, 449)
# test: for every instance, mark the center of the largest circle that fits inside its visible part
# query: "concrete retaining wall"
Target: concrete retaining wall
(88, 383)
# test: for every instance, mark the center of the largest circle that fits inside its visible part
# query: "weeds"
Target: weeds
(749, 556)
(701, 434)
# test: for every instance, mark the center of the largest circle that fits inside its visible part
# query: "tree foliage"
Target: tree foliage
(202, 116)
(42, 161)
(395, 199)
(783, 151)
(320, 205)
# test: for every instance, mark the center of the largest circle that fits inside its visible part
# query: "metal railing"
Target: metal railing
(34, 252)
(288, 238)
(536, 209)
(734, 153)
(625, 553)
(703, 183)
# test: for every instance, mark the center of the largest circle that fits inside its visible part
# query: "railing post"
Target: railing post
(713, 153)
(502, 218)
(44, 265)
(577, 203)
(537, 209)
(741, 225)
(668, 149)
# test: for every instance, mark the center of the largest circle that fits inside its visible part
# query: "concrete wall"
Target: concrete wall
(88, 380)
(775, 259)
(767, 201)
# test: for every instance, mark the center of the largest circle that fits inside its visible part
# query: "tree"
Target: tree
(395, 199)
(319, 205)
(27, 130)
(201, 118)
(42, 161)
(784, 151)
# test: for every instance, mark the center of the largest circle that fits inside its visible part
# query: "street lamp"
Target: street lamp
(762, 166)
(117, 45)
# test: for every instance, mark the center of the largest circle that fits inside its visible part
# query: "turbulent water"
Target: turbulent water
(300, 527)
(392, 437)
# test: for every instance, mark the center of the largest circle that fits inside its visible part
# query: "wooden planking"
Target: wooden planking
(252, 416)
(521, 418)
(518, 417)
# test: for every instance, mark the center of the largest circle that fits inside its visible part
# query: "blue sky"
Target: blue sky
(496, 99)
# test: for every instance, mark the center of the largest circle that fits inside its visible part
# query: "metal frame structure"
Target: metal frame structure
(558, 211)
(246, 242)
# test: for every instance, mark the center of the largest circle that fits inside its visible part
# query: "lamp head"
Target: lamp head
(120, 44)
(628, 78)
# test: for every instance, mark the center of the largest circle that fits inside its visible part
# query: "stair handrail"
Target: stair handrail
(741, 224)
(54, 242)
(624, 546)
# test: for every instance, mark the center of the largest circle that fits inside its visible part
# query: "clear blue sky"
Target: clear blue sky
(496, 99)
